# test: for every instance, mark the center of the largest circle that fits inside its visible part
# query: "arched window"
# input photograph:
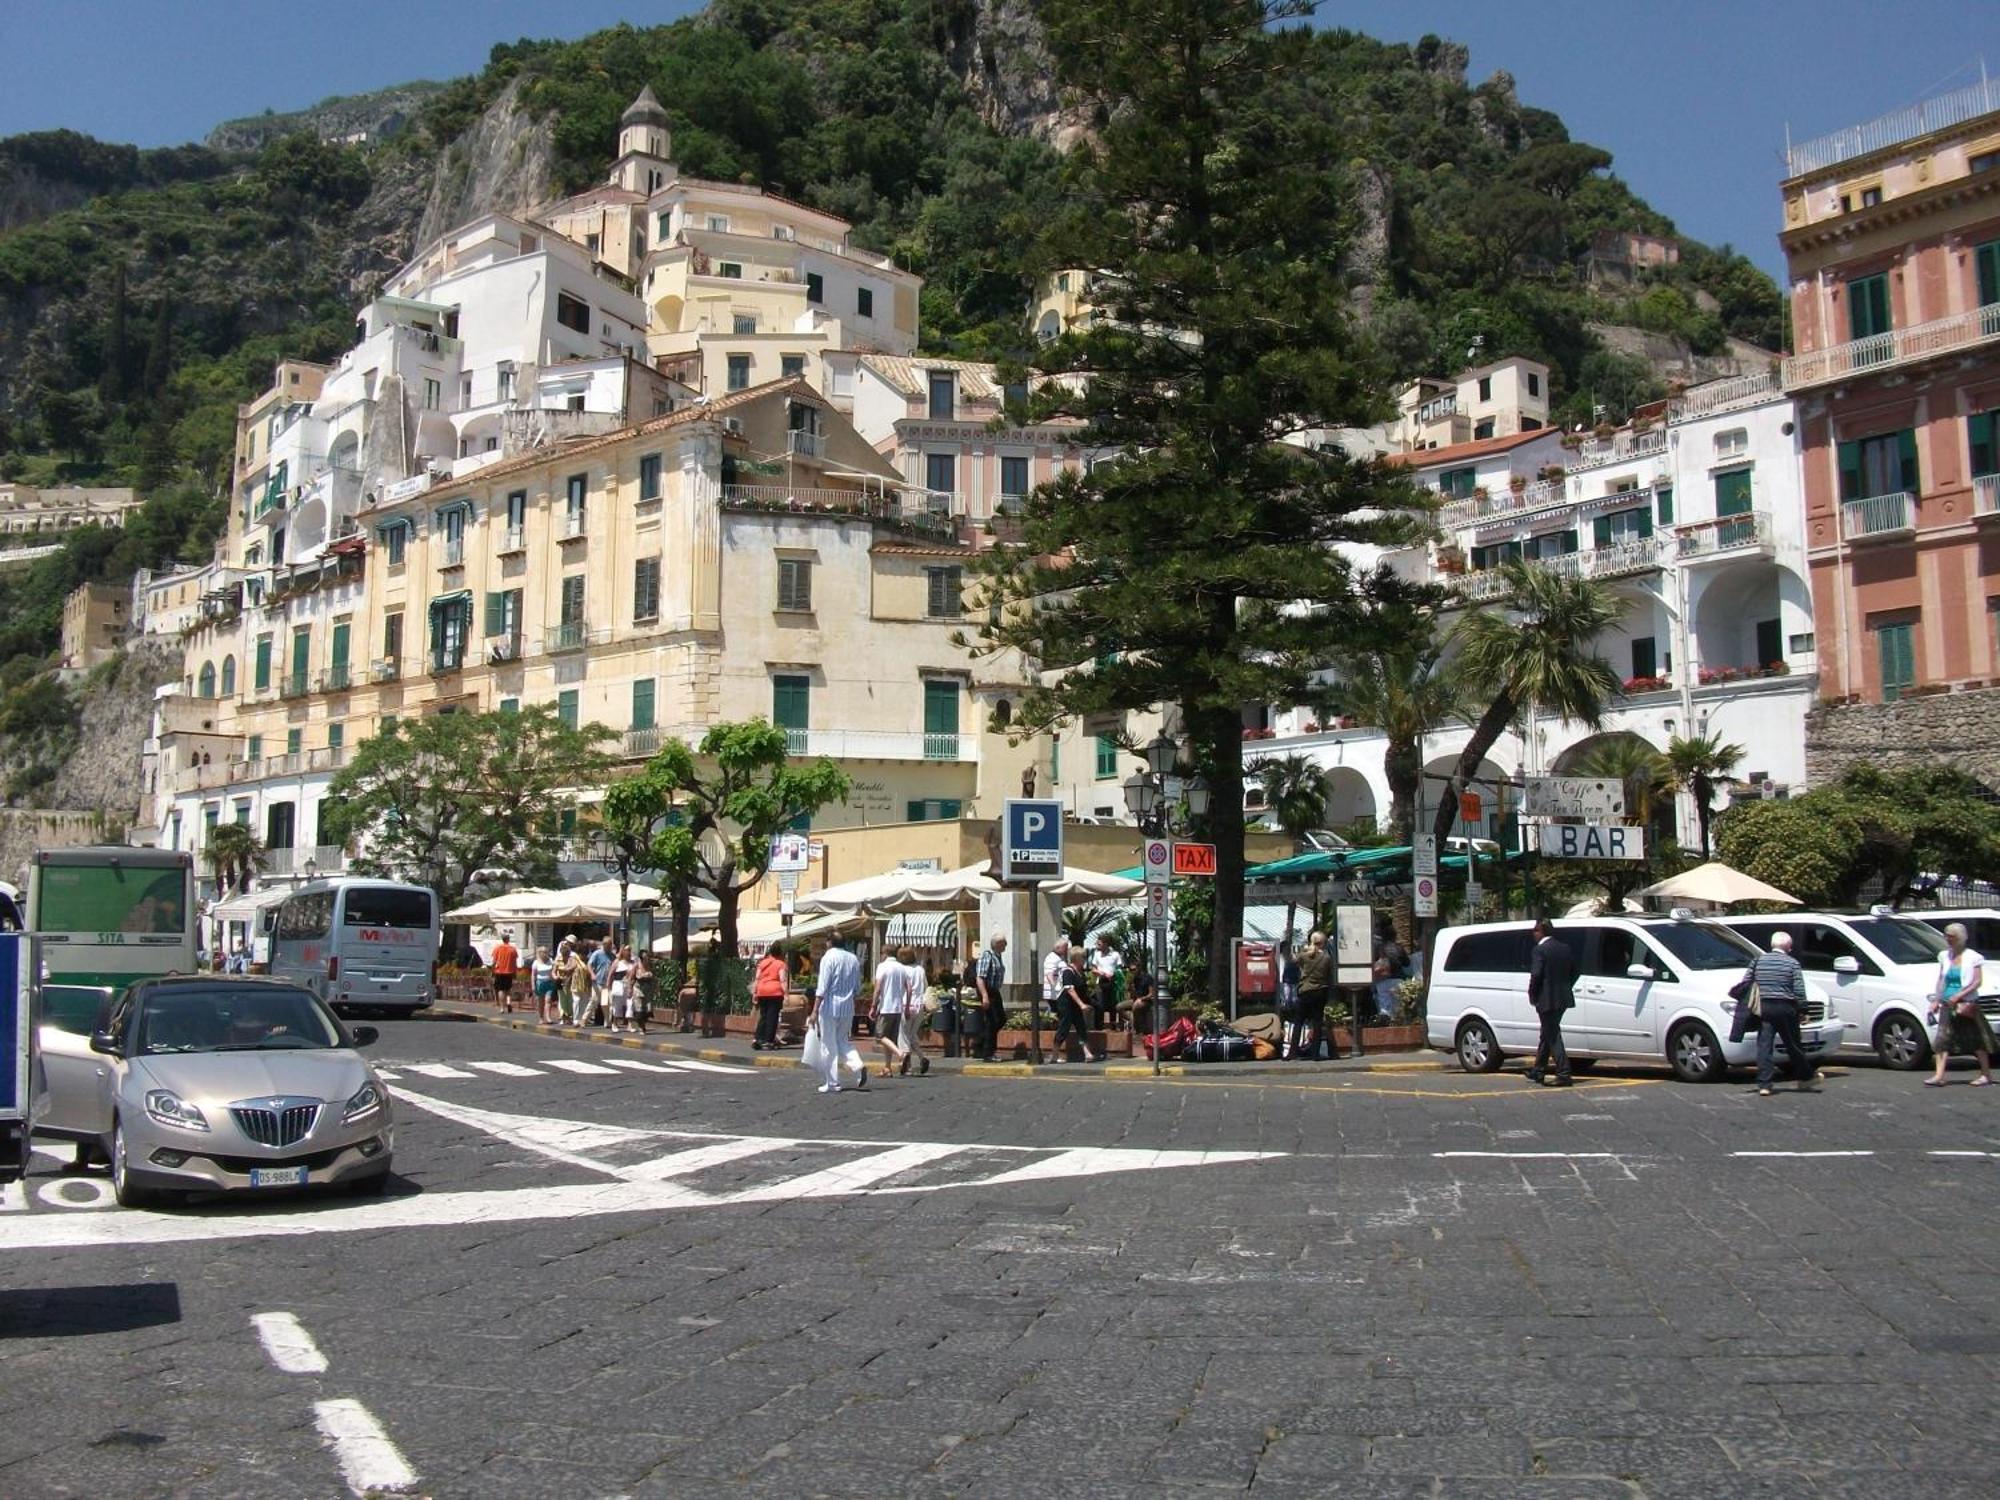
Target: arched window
(229, 677)
(1003, 714)
(205, 683)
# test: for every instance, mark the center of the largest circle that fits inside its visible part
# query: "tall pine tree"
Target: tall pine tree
(112, 375)
(1203, 567)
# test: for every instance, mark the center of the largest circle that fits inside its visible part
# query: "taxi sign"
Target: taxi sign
(1194, 859)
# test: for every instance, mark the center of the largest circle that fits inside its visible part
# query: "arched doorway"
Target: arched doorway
(1641, 766)
(1349, 799)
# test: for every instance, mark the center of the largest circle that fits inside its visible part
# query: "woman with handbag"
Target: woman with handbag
(1960, 1027)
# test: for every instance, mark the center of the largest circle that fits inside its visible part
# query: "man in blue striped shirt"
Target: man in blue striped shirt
(1781, 995)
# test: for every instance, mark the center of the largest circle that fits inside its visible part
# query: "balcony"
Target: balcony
(569, 526)
(294, 685)
(875, 744)
(505, 648)
(513, 539)
(1732, 536)
(307, 862)
(805, 444)
(1617, 449)
(571, 635)
(388, 669)
(449, 659)
(335, 679)
(1888, 130)
(644, 742)
(1986, 495)
(454, 552)
(1619, 560)
(1715, 396)
(1879, 517)
(1895, 349)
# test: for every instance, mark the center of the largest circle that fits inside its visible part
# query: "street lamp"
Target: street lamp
(1151, 796)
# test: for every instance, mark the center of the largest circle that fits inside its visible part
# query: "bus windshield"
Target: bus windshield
(377, 906)
(111, 898)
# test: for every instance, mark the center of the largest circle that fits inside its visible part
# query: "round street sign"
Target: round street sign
(1156, 853)
(1427, 887)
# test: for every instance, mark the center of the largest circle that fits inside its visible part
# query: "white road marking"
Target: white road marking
(506, 1069)
(1534, 1155)
(572, 1065)
(388, 1077)
(13, 1197)
(696, 1065)
(1960, 1153)
(1802, 1153)
(640, 1067)
(638, 1188)
(368, 1460)
(291, 1348)
(436, 1070)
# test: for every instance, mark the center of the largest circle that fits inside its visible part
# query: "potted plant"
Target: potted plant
(1552, 473)
(1517, 482)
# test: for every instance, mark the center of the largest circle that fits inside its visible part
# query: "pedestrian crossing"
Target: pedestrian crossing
(394, 1070)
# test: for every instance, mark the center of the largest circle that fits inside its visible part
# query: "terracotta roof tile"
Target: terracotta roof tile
(1423, 458)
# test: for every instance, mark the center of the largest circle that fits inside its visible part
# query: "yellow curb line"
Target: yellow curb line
(1143, 1070)
(1261, 1081)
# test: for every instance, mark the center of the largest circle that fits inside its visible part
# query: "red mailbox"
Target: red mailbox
(1256, 971)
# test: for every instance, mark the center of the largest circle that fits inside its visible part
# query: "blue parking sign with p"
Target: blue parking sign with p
(1031, 846)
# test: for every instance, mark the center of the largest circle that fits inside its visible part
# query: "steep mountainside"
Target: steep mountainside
(144, 294)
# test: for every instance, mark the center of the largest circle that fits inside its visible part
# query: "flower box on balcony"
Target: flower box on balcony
(1517, 483)
(1551, 473)
(1646, 685)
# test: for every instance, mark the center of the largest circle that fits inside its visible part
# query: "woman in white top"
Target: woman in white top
(915, 983)
(622, 984)
(892, 981)
(1955, 1014)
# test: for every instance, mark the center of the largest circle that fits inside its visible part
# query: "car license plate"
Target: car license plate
(277, 1177)
(1809, 1036)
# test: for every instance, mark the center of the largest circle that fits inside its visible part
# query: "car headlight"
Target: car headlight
(363, 1102)
(1729, 1007)
(168, 1108)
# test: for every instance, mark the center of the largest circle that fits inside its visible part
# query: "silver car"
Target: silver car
(217, 1084)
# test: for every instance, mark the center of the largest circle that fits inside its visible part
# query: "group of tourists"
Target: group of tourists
(582, 983)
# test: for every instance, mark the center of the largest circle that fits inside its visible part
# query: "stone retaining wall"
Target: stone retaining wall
(1961, 727)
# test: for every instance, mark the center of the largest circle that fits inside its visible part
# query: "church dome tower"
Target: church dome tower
(642, 134)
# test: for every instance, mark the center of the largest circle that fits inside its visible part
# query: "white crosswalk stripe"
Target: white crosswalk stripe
(437, 1070)
(393, 1069)
(576, 1065)
(506, 1069)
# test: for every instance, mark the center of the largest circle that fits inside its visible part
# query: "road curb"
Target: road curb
(631, 1043)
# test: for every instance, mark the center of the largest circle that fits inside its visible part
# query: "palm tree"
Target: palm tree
(1696, 763)
(1294, 790)
(1535, 656)
(234, 854)
(1642, 770)
(1407, 693)
(1079, 923)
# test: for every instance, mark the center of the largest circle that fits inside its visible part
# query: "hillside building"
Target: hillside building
(26, 511)
(95, 620)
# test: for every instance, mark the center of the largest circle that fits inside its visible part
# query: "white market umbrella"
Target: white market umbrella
(759, 929)
(595, 902)
(500, 908)
(957, 890)
(1717, 884)
(876, 893)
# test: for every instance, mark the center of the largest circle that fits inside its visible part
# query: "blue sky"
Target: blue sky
(1691, 96)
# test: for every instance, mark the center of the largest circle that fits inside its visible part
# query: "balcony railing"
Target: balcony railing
(1617, 449)
(294, 685)
(569, 526)
(1750, 531)
(335, 679)
(1898, 347)
(645, 741)
(1879, 516)
(323, 859)
(1886, 130)
(513, 539)
(1986, 495)
(388, 669)
(454, 552)
(503, 648)
(1619, 560)
(806, 444)
(1719, 395)
(452, 660)
(571, 635)
(876, 744)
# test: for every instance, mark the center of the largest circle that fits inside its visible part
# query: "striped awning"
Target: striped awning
(924, 929)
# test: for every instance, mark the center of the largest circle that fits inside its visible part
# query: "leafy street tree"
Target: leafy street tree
(1533, 655)
(1405, 690)
(1294, 790)
(1210, 202)
(437, 799)
(234, 854)
(648, 834)
(1698, 763)
(734, 790)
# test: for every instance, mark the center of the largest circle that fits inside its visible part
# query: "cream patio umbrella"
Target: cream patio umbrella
(960, 889)
(507, 908)
(1717, 884)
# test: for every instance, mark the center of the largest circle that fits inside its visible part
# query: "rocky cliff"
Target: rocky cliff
(352, 119)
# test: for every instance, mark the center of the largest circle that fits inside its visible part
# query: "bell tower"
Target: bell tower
(644, 164)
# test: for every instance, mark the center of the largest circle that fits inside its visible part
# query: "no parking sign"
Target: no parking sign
(1426, 889)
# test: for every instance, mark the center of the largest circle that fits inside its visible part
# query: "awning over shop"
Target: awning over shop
(923, 929)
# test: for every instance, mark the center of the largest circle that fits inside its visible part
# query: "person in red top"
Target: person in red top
(506, 964)
(767, 988)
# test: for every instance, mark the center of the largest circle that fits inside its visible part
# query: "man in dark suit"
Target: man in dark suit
(1551, 990)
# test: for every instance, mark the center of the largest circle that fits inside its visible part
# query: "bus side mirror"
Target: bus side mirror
(365, 1036)
(106, 1043)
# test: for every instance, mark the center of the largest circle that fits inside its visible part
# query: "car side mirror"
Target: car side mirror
(1847, 963)
(365, 1036)
(1638, 971)
(106, 1043)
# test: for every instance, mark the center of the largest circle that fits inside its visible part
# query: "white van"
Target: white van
(1878, 971)
(1648, 989)
(359, 944)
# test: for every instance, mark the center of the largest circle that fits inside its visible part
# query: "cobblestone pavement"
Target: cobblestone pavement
(680, 1282)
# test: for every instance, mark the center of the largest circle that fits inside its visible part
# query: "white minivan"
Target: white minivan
(1648, 989)
(1878, 971)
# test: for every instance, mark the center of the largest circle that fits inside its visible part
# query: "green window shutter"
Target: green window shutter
(1896, 655)
(1568, 542)
(1600, 529)
(940, 707)
(1664, 498)
(791, 702)
(295, 740)
(1906, 458)
(496, 614)
(1867, 306)
(263, 662)
(301, 653)
(1732, 492)
(253, 748)
(566, 707)
(642, 703)
(1107, 757)
(1850, 470)
(341, 633)
(1988, 256)
(1983, 437)
(1646, 521)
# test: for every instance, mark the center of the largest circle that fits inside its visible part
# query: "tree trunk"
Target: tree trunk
(1402, 765)
(1492, 724)
(1217, 736)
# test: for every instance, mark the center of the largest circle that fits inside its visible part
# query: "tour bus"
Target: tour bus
(110, 916)
(359, 944)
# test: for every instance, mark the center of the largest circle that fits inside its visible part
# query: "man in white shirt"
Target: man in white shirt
(1105, 963)
(1052, 968)
(833, 1015)
(892, 982)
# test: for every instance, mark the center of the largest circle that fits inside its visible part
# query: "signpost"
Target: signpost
(1031, 851)
(1159, 909)
(1426, 895)
(1626, 841)
(1354, 960)
(790, 853)
(1158, 860)
(1194, 859)
(1424, 855)
(1597, 797)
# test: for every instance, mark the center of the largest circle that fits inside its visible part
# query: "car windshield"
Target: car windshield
(248, 1018)
(1702, 945)
(1901, 940)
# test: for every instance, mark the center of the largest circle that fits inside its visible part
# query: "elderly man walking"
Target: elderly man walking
(833, 1015)
(1781, 995)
